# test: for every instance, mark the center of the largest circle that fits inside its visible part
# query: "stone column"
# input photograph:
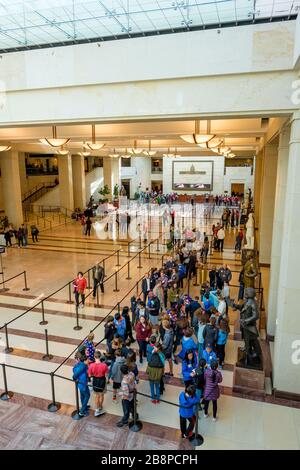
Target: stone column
(278, 226)
(65, 182)
(11, 187)
(78, 171)
(111, 172)
(286, 364)
(257, 186)
(267, 200)
(23, 176)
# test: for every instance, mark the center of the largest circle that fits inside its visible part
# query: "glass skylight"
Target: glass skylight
(36, 23)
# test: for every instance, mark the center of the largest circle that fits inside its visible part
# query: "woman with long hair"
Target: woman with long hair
(212, 379)
(143, 331)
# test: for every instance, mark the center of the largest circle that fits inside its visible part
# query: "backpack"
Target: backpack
(155, 361)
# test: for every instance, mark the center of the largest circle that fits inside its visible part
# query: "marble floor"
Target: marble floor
(243, 423)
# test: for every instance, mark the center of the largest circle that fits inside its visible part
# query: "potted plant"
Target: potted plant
(104, 193)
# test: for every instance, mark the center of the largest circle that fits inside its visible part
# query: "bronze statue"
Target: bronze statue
(249, 315)
(250, 272)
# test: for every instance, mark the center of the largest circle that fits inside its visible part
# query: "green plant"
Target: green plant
(104, 192)
(116, 191)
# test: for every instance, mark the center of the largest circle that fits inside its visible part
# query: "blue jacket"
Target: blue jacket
(188, 367)
(186, 409)
(181, 271)
(121, 327)
(187, 343)
(222, 337)
(149, 351)
(209, 357)
(80, 374)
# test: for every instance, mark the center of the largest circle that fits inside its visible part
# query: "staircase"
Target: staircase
(36, 193)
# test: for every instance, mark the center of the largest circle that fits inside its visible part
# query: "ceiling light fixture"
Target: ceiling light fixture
(149, 152)
(114, 154)
(94, 145)
(5, 148)
(135, 150)
(197, 137)
(84, 153)
(63, 151)
(169, 154)
(54, 142)
(126, 154)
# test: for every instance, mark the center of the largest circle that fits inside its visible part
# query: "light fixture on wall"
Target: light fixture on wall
(149, 152)
(197, 137)
(62, 151)
(54, 141)
(93, 145)
(114, 154)
(84, 153)
(230, 155)
(5, 148)
(135, 150)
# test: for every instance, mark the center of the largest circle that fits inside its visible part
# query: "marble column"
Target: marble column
(278, 226)
(268, 185)
(286, 364)
(11, 187)
(65, 182)
(79, 191)
(257, 186)
(23, 176)
(111, 172)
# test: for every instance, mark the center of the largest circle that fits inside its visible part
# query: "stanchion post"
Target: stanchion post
(135, 425)
(128, 249)
(89, 279)
(118, 258)
(25, 282)
(6, 395)
(75, 415)
(97, 296)
(140, 265)
(140, 240)
(53, 406)
(7, 349)
(103, 262)
(197, 440)
(47, 356)
(128, 271)
(119, 308)
(43, 322)
(77, 327)
(137, 288)
(157, 245)
(211, 248)
(149, 250)
(116, 283)
(70, 294)
(196, 280)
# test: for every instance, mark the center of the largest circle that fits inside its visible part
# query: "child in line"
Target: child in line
(209, 355)
(187, 402)
(189, 365)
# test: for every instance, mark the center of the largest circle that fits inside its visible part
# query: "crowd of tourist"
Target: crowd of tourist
(170, 327)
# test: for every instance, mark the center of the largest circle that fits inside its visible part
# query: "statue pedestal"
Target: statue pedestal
(248, 380)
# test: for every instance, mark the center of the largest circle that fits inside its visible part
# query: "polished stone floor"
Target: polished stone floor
(243, 423)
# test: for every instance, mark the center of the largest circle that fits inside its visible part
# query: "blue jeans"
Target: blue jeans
(155, 390)
(84, 397)
(199, 395)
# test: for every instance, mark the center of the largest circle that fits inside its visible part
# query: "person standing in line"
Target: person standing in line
(98, 371)
(153, 307)
(128, 388)
(116, 374)
(187, 402)
(221, 341)
(189, 365)
(80, 376)
(25, 234)
(143, 332)
(98, 278)
(120, 324)
(128, 331)
(221, 238)
(109, 332)
(167, 345)
(80, 285)
(146, 286)
(20, 237)
(212, 377)
(155, 371)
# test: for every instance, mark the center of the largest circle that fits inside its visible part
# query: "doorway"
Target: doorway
(238, 189)
(126, 184)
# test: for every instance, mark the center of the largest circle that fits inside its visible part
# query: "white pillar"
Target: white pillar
(11, 187)
(65, 182)
(111, 172)
(267, 202)
(257, 187)
(78, 172)
(286, 365)
(278, 227)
